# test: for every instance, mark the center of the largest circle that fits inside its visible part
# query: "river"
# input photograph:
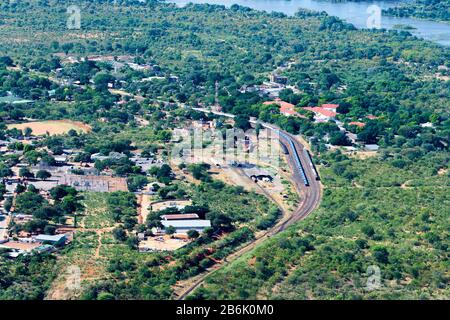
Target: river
(352, 12)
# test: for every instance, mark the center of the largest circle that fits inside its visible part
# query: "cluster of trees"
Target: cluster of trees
(31, 280)
(423, 9)
(46, 216)
(386, 74)
(163, 174)
(22, 84)
(399, 230)
(123, 208)
(385, 88)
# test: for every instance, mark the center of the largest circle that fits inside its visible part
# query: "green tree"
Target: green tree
(43, 174)
(170, 230)
(193, 234)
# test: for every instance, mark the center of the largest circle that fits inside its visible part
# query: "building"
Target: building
(273, 77)
(186, 216)
(321, 114)
(56, 240)
(371, 147)
(61, 159)
(112, 155)
(16, 248)
(330, 106)
(183, 226)
(161, 205)
(357, 123)
(286, 108)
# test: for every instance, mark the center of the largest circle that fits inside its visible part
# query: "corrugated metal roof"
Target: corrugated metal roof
(47, 237)
(186, 216)
(187, 223)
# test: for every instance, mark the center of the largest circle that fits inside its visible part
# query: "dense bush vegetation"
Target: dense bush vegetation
(402, 230)
(389, 211)
(424, 9)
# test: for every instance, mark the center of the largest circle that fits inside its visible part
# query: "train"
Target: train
(311, 164)
(296, 157)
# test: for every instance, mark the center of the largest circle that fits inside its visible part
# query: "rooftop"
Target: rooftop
(330, 106)
(357, 123)
(186, 216)
(322, 111)
(51, 238)
(187, 223)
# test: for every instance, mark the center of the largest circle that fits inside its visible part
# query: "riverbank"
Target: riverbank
(356, 13)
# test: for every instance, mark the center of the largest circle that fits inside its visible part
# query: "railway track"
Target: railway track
(306, 186)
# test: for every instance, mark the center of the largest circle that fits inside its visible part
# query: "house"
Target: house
(330, 106)
(183, 226)
(357, 123)
(273, 77)
(286, 108)
(61, 159)
(322, 114)
(112, 155)
(56, 240)
(371, 147)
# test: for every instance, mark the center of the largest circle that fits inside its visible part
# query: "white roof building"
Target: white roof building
(183, 226)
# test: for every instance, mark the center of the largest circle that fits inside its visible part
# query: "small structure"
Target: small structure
(259, 174)
(161, 205)
(61, 159)
(273, 77)
(371, 147)
(262, 177)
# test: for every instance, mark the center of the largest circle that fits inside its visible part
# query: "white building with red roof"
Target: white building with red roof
(321, 114)
(286, 108)
(357, 123)
(330, 106)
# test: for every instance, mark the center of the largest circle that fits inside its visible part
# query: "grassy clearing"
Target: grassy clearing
(96, 213)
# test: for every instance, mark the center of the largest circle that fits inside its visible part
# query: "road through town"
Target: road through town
(310, 198)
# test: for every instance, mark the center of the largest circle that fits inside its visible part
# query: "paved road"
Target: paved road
(310, 196)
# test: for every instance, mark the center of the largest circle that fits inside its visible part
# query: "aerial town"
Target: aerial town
(175, 155)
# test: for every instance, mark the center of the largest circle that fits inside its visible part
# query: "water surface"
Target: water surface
(352, 12)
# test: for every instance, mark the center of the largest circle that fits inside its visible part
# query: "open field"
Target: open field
(163, 243)
(52, 127)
